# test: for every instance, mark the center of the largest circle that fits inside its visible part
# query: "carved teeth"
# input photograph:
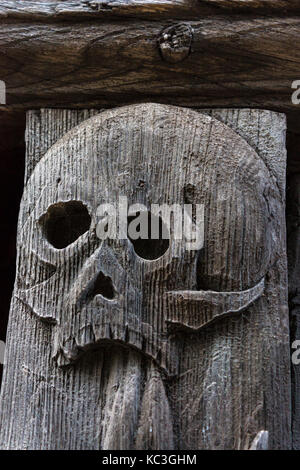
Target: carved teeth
(108, 331)
(61, 360)
(126, 334)
(86, 336)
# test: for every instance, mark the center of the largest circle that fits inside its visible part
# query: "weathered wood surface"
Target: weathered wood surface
(180, 9)
(234, 62)
(42, 131)
(216, 388)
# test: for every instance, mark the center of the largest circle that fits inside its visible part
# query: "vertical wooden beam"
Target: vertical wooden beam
(201, 337)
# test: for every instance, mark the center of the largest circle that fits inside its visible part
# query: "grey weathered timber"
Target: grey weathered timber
(114, 350)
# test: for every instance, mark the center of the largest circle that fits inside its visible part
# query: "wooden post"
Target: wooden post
(117, 344)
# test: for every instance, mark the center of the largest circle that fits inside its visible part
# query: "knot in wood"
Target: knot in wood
(175, 42)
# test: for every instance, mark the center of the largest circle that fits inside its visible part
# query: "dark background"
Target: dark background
(12, 160)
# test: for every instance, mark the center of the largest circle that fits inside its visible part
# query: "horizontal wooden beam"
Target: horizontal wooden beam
(232, 62)
(183, 9)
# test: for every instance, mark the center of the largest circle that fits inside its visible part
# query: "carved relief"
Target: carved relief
(168, 329)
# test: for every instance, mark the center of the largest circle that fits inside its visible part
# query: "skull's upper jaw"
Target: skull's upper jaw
(192, 310)
(187, 310)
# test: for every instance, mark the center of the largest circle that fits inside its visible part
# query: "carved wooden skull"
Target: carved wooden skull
(139, 294)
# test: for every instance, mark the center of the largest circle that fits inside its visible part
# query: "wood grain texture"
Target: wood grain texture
(180, 9)
(271, 147)
(42, 131)
(234, 62)
(217, 388)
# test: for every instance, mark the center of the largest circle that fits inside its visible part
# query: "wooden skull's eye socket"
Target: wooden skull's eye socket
(64, 222)
(153, 241)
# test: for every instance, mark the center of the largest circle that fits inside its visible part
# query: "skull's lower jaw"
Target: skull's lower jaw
(94, 338)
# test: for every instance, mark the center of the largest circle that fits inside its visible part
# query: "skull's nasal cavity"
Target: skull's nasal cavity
(102, 285)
